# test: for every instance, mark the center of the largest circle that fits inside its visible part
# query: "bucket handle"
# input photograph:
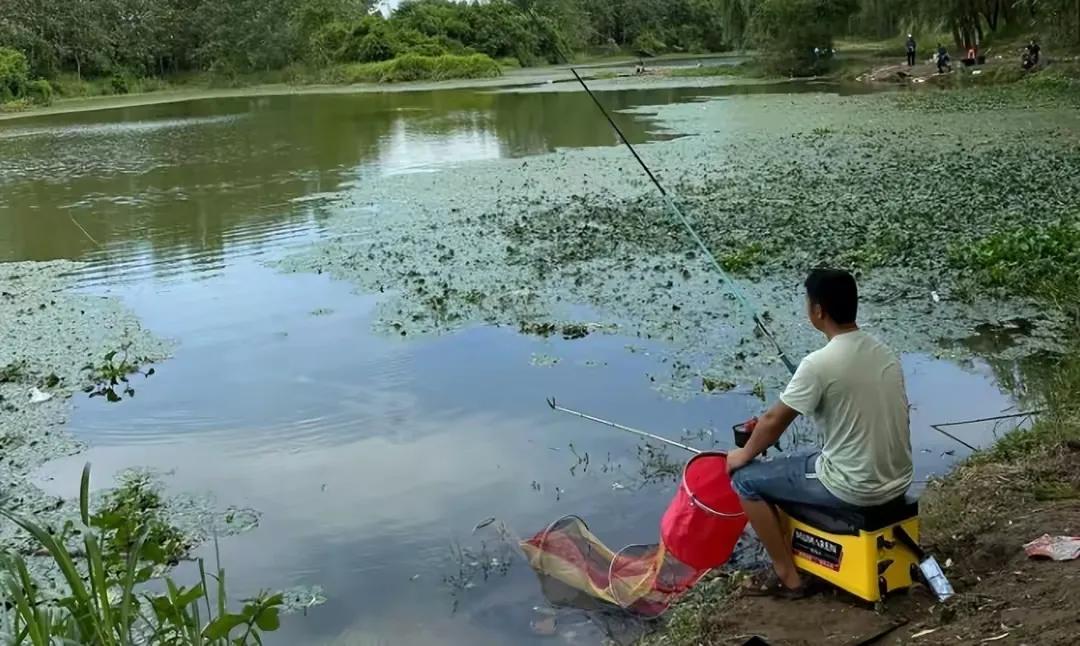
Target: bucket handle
(702, 506)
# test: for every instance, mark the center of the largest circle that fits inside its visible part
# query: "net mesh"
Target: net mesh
(701, 525)
(571, 562)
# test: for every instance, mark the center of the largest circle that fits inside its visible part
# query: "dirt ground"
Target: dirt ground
(924, 71)
(1008, 599)
(977, 520)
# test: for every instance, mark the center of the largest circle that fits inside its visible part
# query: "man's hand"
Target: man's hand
(737, 459)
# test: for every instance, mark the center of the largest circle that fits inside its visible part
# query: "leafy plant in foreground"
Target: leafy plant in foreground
(101, 605)
(113, 373)
(132, 516)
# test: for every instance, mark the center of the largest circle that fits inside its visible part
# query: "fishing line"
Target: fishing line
(85, 232)
(732, 288)
(938, 427)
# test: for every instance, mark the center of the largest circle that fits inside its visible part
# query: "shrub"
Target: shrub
(119, 84)
(374, 47)
(40, 92)
(647, 44)
(328, 43)
(428, 48)
(413, 67)
(14, 74)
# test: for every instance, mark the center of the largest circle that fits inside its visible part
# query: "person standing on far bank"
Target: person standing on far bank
(910, 50)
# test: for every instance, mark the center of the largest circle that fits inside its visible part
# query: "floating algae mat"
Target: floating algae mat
(52, 334)
(774, 185)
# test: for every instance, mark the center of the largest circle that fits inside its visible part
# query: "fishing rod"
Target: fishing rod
(726, 280)
(759, 322)
(621, 427)
(939, 426)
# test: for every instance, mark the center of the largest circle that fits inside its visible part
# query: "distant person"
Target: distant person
(1033, 51)
(942, 59)
(910, 46)
(971, 57)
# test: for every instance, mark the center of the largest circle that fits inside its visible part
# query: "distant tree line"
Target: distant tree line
(145, 38)
(161, 37)
(971, 21)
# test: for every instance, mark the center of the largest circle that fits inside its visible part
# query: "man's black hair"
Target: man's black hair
(835, 291)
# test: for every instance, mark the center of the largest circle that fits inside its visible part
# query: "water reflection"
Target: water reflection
(183, 181)
(179, 183)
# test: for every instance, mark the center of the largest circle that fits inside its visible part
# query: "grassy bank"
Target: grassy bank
(408, 68)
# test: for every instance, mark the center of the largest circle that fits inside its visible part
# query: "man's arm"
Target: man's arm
(771, 425)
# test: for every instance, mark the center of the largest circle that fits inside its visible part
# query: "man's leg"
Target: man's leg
(756, 484)
(766, 523)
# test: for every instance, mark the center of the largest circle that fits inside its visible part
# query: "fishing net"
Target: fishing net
(697, 533)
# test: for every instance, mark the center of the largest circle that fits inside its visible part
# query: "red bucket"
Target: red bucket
(704, 521)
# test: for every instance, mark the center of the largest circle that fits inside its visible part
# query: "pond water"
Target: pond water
(371, 457)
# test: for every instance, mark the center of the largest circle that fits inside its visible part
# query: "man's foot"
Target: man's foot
(770, 585)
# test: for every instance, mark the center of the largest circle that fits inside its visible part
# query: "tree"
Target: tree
(794, 33)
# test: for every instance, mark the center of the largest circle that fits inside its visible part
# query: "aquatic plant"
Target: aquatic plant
(1039, 261)
(13, 372)
(100, 604)
(132, 512)
(113, 373)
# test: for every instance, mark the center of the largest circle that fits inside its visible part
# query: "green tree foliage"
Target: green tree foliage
(970, 21)
(14, 74)
(125, 39)
(797, 35)
(15, 82)
(131, 39)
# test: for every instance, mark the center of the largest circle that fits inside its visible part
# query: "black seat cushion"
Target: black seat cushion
(851, 520)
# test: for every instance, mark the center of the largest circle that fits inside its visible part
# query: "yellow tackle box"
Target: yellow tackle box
(868, 552)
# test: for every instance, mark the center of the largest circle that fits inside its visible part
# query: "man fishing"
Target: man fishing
(853, 388)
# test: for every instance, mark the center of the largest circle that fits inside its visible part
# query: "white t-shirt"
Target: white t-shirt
(853, 388)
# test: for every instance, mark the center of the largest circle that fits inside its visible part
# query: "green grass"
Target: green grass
(692, 621)
(741, 70)
(70, 86)
(413, 67)
(113, 597)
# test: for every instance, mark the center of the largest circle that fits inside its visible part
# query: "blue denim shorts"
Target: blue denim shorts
(791, 479)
